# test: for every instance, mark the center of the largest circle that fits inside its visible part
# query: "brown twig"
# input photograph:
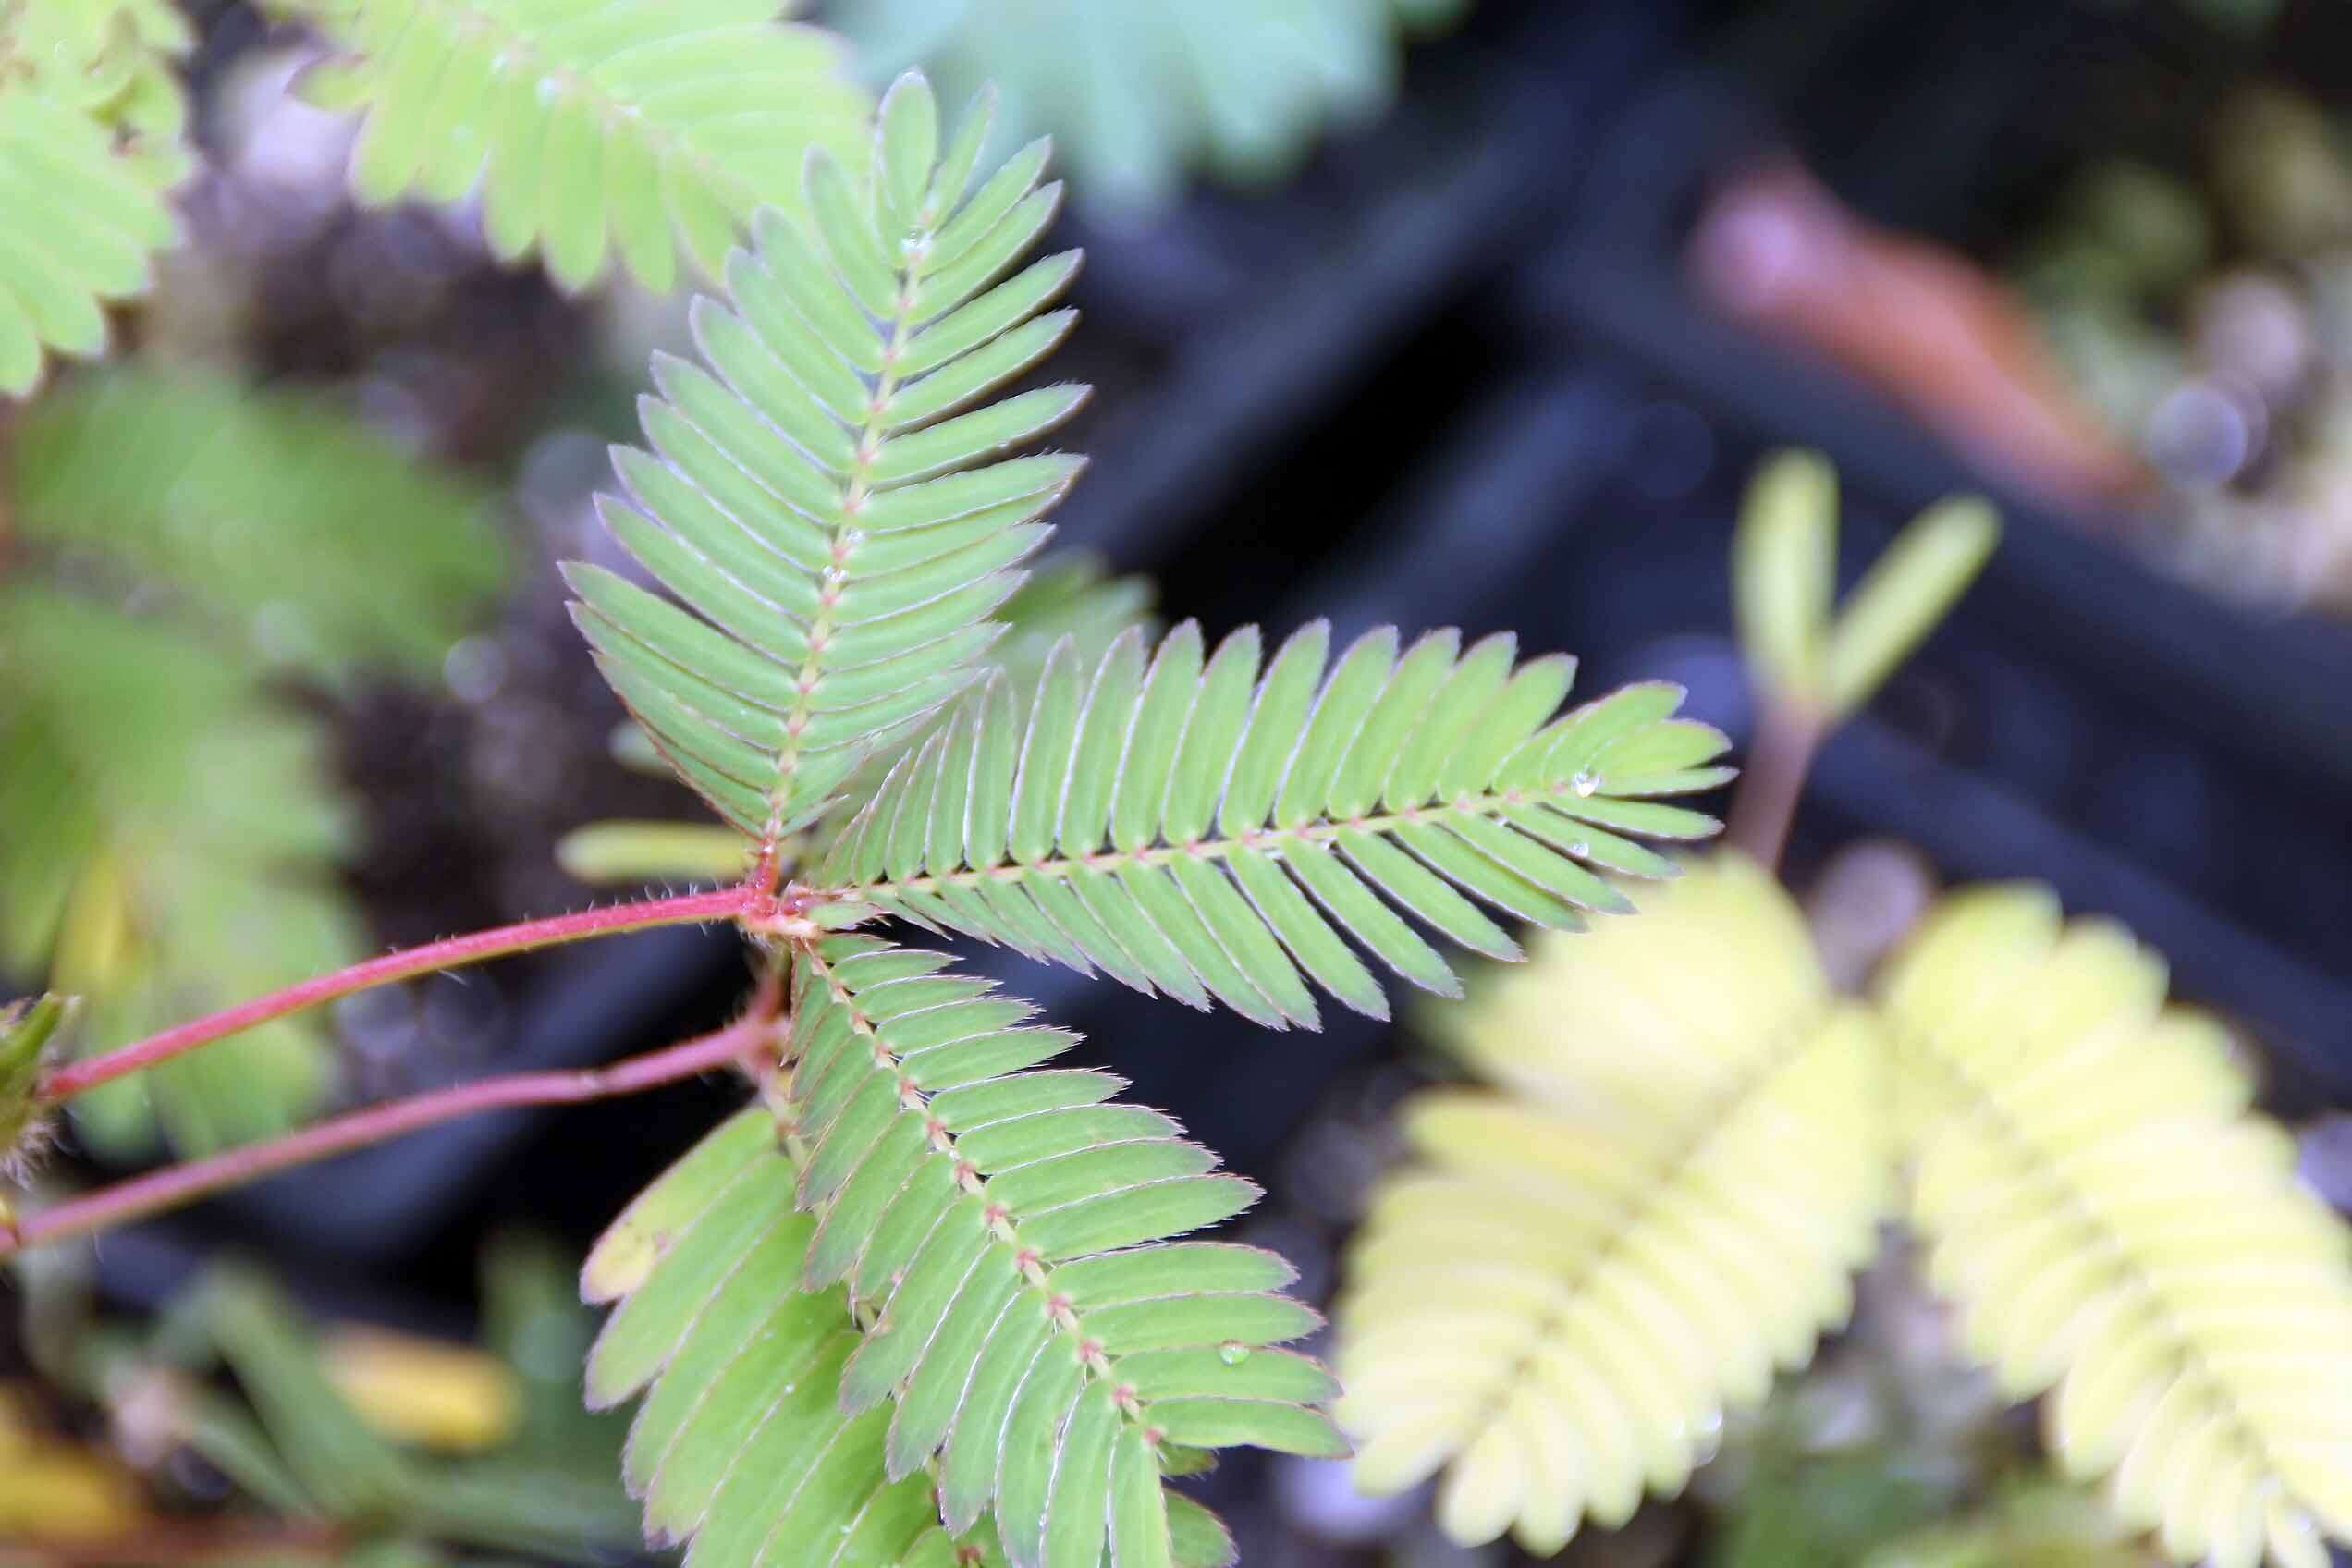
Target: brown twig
(1764, 805)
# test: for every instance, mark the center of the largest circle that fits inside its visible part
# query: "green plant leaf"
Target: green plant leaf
(629, 852)
(770, 1418)
(955, 1201)
(1139, 97)
(93, 127)
(1904, 593)
(290, 526)
(594, 129)
(26, 1028)
(1082, 831)
(840, 570)
(745, 1273)
(1785, 574)
(188, 838)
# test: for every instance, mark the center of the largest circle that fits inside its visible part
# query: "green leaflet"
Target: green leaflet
(741, 1445)
(91, 138)
(841, 524)
(595, 130)
(769, 1419)
(1080, 823)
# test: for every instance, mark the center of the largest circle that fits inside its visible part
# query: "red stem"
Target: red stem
(1764, 807)
(727, 903)
(178, 1184)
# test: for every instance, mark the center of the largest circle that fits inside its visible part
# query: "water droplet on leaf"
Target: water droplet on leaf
(1585, 782)
(1232, 1353)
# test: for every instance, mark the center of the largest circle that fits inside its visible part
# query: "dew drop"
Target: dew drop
(1585, 782)
(1581, 850)
(1232, 1353)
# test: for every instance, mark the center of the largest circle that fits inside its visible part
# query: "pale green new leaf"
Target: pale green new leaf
(91, 141)
(1193, 826)
(593, 128)
(1660, 1204)
(2122, 1236)
(839, 527)
(289, 526)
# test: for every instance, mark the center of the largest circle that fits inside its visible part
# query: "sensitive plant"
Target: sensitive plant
(925, 1298)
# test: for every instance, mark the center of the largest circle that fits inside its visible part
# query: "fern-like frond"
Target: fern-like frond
(1140, 94)
(742, 1446)
(765, 1427)
(1189, 826)
(1559, 1298)
(593, 127)
(92, 124)
(2119, 1230)
(830, 503)
(291, 527)
(186, 842)
(1038, 1330)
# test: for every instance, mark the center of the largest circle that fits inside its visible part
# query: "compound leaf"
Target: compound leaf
(595, 130)
(1662, 1202)
(1425, 781)
(839, 569)
(2122, 1235)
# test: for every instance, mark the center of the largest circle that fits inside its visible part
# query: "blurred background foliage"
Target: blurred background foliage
(1137, 98)
(357, 1442)
(187, 556)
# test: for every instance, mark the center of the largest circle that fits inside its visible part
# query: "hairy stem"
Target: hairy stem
(178, 1184)
(686, 909)
(1764, 805)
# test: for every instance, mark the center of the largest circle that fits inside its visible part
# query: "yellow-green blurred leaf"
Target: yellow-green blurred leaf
(1902, 597)
(435, 1395)
(1784, 572)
